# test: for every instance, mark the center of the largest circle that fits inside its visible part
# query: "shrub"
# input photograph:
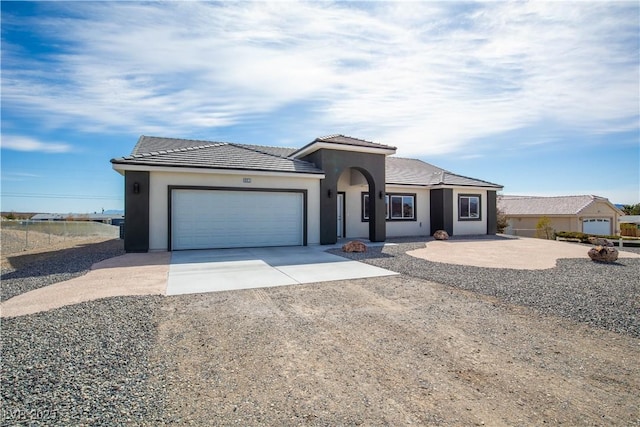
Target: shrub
(544, 229)
(584, 238)
(502, 222)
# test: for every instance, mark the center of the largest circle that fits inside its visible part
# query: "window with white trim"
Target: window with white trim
(469, 207)
(399, 207)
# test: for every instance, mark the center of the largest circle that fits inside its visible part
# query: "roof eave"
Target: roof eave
(122, 166)
(318, 145)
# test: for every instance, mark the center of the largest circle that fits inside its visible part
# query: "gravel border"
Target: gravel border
(44, 269)
(84, 364)
(601, 295)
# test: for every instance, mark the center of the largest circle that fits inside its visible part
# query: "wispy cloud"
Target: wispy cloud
(17, 176)
(21, 143)
(426, 77)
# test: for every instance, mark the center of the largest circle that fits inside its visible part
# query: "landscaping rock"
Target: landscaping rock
(603, 254)
(354, 246)
(441, 235)
(599, 241)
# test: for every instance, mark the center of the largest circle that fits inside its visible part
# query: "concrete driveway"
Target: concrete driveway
(213, 270)
(227, 269)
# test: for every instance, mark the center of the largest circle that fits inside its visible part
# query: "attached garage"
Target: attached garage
(599, 226)
(227, 218)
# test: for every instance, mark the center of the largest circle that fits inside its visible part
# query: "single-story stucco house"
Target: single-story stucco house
(187, 194)
(587, 214)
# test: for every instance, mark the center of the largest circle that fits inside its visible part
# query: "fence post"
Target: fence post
(620, 243)
(26, 236)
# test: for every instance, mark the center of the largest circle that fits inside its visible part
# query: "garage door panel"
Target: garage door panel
(599, 226)
(226, 219)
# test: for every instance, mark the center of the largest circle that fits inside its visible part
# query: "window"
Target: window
(398, 207)
(469, 207)
(401, 207)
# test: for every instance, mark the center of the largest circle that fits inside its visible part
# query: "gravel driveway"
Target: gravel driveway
(482, 346)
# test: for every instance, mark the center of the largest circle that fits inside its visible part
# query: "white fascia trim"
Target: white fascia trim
(464, 188)
(408, 186)
(341, 147)
(121, 168)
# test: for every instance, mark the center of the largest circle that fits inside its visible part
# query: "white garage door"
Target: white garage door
(203, 219)
(601, 226)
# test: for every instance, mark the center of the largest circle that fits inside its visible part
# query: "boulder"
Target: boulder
(603, 254)
(354, 246)
(441, 235)
(599, 241)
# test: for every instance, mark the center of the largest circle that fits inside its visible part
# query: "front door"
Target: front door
(340, 215)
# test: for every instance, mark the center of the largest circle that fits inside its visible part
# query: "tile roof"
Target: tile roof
(348, 140)
(561, 205)
(345, 141)
(153, 151)
(189, 153)
(416, 172)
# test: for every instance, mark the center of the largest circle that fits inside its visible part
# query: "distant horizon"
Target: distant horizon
(121, 211)
(540, 97)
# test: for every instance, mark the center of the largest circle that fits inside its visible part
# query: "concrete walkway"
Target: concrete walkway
(230, 269)
(517, 253)
(130, 274)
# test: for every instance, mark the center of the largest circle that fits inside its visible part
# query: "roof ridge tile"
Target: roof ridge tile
(291, 159)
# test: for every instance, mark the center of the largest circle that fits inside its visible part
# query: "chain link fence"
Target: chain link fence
(22, 235)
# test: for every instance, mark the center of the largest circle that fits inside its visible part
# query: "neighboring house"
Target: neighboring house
(186, 194)
(113, 219)
(587, 214)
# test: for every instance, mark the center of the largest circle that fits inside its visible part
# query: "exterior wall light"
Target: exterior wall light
(380, 194)
(329, 193)
(136, 188)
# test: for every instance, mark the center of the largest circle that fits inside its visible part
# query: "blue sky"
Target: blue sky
(543, 98)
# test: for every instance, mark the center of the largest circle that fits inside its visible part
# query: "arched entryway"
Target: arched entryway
(354, 204)
(372, 167)
(336, 154)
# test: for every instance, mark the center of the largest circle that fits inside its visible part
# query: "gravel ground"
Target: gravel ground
(85, 364)
(386, 351)
(601, 295)
(25, 272)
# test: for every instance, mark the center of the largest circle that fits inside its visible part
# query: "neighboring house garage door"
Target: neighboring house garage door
(597, 226)
(203, 219)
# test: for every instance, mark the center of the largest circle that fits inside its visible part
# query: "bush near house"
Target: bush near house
(544, 229)
(584, 238)
(503, 222)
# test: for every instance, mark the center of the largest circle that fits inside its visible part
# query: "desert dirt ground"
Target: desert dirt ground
(385, 351)
(16, 251)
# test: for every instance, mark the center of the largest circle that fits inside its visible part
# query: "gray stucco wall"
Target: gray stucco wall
(334, 163)
(442, 210)
(136, 211)
(492, 212)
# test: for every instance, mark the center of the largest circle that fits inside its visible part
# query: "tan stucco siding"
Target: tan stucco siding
(159, 204)
(526, 226)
